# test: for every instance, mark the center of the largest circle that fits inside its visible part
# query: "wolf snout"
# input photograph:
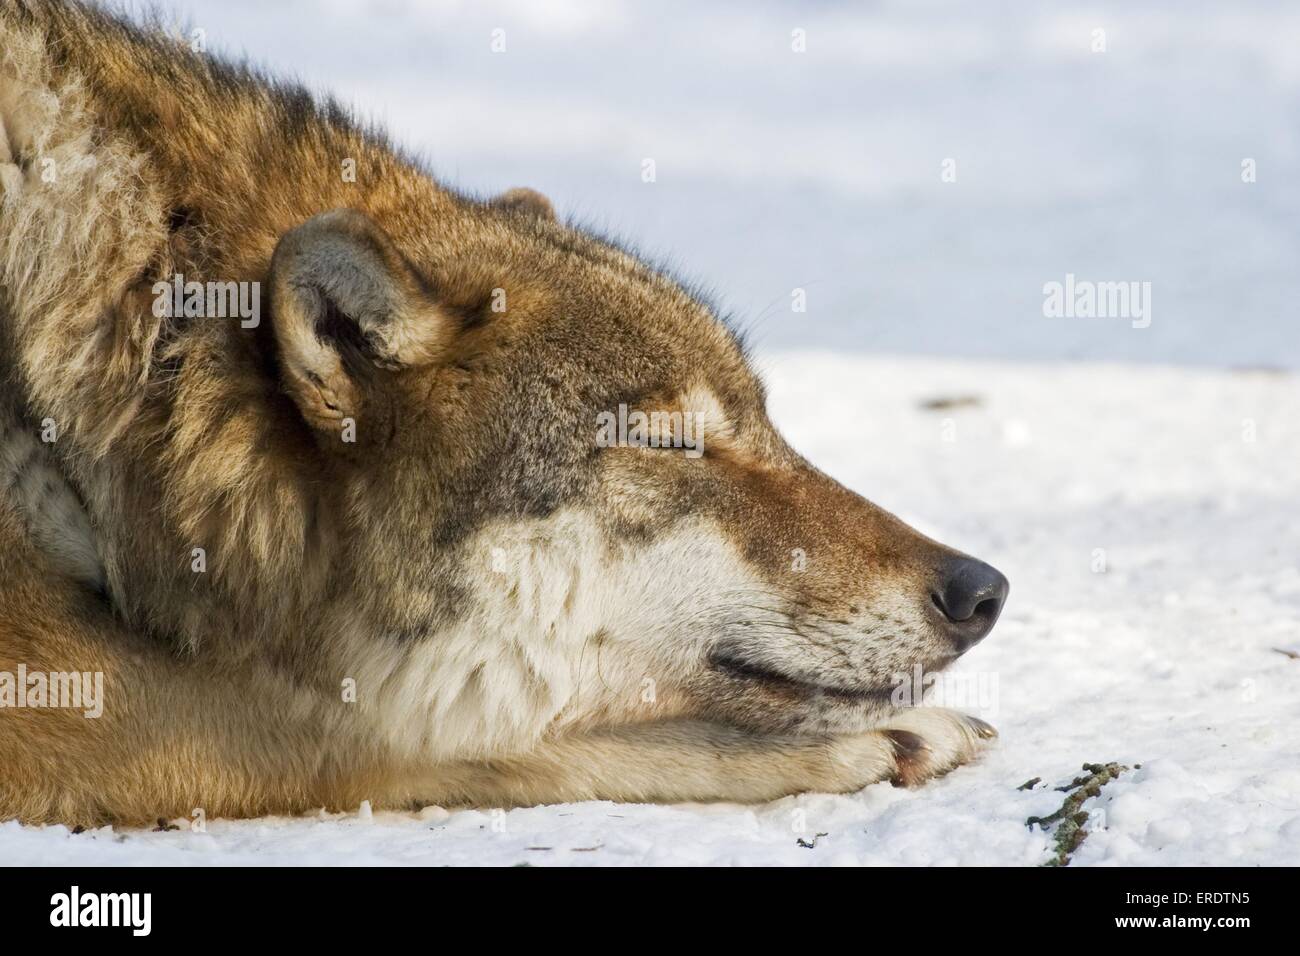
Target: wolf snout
(969, 595)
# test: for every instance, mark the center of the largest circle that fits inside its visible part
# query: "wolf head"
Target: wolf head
(542, 441)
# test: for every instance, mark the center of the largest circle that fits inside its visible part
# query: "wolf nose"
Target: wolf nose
(970, 594)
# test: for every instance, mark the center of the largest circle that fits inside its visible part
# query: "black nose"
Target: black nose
(970, 594)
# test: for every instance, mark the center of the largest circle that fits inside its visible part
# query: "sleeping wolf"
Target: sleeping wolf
(477, 508)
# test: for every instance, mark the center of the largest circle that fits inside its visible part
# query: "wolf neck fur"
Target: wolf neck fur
(161, 427)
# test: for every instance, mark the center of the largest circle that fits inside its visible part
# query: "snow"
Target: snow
(1166, 658)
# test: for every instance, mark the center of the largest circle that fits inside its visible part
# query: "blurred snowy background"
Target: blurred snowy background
(821, 170)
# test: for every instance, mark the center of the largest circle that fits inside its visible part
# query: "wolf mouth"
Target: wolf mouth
(757, 673)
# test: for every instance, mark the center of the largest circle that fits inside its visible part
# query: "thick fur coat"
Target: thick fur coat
(368, 545)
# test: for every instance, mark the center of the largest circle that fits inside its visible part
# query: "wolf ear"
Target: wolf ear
(523, 199)
(344, 298)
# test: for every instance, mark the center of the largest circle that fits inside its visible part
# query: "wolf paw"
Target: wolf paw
(929, 741)
(915, 745)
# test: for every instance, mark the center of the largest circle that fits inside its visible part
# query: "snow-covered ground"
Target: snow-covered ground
(1149, 521)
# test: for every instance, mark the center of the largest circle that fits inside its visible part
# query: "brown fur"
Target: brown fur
(326, 558)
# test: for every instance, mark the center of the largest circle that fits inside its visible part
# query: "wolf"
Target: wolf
(369, 547)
